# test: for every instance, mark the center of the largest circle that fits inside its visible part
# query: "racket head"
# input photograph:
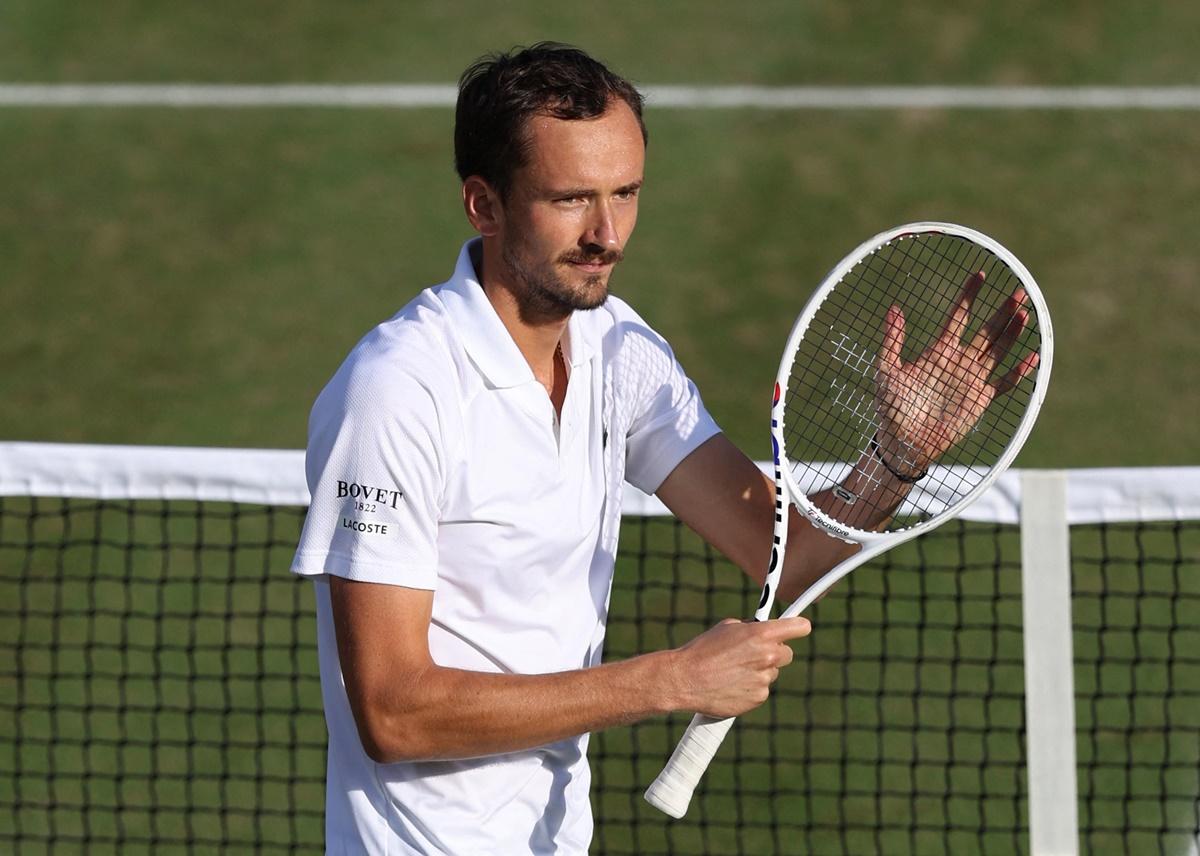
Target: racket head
(824, 415)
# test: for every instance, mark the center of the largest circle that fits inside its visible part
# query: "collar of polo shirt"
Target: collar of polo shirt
(486, 338)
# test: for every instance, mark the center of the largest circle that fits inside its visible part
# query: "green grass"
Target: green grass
(683, 41)
(195, 277)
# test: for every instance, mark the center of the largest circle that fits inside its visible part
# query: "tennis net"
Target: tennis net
(159, 688)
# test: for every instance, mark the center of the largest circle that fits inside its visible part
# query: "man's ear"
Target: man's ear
(482, 204)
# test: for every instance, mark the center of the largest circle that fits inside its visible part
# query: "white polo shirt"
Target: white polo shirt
(435, 461)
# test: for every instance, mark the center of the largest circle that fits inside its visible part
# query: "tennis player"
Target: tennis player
(466, 465)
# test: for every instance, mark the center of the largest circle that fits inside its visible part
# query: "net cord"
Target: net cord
(276, 477)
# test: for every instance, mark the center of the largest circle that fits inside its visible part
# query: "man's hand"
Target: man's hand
(729, 669)
(928, 405)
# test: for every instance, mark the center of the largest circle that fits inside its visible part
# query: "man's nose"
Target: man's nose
(602, 229)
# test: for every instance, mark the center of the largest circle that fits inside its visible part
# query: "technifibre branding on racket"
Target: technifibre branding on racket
(928, 344)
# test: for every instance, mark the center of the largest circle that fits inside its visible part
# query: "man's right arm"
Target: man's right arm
(407, 707)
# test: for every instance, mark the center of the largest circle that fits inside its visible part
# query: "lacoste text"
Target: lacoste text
(359, 526)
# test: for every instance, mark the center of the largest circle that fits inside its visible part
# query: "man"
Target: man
(466, 465)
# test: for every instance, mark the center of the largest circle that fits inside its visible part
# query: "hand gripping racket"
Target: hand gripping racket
(930, 343)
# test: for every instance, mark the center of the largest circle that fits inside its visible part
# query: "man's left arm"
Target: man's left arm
(723, 496)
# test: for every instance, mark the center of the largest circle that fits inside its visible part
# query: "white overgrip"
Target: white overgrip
(672, 791)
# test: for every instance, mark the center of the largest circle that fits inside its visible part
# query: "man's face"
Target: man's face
(571, 209)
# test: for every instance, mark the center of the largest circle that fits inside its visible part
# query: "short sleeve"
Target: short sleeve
(669, 419)
(375, 466)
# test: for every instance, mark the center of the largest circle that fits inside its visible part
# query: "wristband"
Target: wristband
(878, 453)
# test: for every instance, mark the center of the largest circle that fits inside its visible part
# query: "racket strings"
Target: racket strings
(909, 454)
(832, 409)
(880, 269)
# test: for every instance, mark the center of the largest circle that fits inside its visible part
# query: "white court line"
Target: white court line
(689, 97)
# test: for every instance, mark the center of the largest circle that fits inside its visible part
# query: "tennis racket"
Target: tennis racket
(922, 359)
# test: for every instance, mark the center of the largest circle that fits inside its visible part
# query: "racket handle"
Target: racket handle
(672, 790)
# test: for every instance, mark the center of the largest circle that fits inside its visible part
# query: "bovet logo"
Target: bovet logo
(369, 493)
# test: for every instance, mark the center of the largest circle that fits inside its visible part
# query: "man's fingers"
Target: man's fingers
(893, 338)
(1016, 374)
(1008, 320)
(782, 629)
(960, 312)
(1009, 335)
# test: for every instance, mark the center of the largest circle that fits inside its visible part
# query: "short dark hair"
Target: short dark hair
(500, 91)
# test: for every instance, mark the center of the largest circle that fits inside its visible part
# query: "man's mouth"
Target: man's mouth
(594, 264)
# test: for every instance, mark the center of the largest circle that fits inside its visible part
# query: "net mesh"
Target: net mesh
(159, 692)
(1137, 677)
(832, 413)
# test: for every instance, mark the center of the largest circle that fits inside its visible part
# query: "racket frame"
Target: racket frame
(874, 543)
(672, 791)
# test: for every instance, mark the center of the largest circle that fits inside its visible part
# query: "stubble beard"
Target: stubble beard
(545, 295)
